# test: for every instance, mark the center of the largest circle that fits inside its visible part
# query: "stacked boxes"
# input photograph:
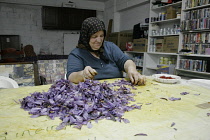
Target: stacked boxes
(113, 37)
(120, 39)
(140, 45)
(171, 44)
(123, 39)
(168, 44)
(170, 13)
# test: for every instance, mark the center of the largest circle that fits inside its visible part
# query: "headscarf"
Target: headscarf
(89, 27)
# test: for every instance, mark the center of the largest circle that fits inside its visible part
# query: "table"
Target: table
(159, 118)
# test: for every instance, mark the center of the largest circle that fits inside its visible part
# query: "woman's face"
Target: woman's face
(96, 40)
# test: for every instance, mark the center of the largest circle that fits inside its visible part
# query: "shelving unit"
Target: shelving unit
(153, 57)
(195, 37)
(159, 29)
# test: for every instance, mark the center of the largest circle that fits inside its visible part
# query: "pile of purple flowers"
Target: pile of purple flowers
(78, 104)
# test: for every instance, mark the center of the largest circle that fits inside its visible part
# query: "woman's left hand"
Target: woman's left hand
(136, 78)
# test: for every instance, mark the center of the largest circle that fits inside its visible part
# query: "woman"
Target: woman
(97, 59)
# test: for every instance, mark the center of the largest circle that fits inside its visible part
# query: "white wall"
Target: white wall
(126, 13)
(24, 18)
(132, 16)
(109, 12)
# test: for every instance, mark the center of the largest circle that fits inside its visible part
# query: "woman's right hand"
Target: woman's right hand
(89, 73)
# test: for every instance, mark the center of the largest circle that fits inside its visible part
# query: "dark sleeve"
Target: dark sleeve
(74, 63)
(117, 55)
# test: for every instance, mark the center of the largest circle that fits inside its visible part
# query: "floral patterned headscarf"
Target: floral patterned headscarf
(90, 26)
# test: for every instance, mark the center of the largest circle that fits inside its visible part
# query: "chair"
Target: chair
(6, 82)
(30, 55)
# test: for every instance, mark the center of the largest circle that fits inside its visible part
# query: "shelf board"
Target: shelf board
(139, 66)
(196, 55)
(165, 6)
(196, 43)
(206, 73)
(164, 35)
(162, 53)
(133, 52)
(164, 21)
(197, 7)
(152, 68)
(196, 31)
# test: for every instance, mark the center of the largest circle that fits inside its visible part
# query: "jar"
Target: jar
(161, 60)
(165, 60)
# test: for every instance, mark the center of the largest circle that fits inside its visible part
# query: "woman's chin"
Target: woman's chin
(96, 48)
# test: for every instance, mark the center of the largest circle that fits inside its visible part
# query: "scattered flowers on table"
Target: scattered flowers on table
(184, 93)
(173, 123)
(174, 99)
(140, 134)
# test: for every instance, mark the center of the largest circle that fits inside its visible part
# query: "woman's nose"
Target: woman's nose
(99, 39)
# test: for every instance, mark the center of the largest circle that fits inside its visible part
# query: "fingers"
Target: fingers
(89, 73)
(132, 79)
(93, 72)
(141, 80)
(138, 79)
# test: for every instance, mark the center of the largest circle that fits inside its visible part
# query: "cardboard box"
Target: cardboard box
(114, 37)
(165, 69)
(170, 13)
(124, 38)
(120, 39)
(140, 45)
(159, 45)
(171, 44)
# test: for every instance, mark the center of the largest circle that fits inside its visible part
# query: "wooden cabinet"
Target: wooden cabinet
(61, 18)
(49, 17)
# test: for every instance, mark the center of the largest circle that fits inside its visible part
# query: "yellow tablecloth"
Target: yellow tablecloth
(155, 119)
